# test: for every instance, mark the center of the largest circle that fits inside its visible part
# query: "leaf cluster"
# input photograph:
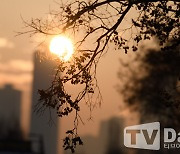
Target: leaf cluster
(71, 141)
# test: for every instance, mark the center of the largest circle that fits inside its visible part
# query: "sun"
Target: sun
(62, 47)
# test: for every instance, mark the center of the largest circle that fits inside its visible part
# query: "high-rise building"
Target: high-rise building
(115, 137)
(10, 105)
(109, 140)
(44, 125)
(11, 136)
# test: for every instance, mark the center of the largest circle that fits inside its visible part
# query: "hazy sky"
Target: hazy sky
(16, 62)
(16, 52)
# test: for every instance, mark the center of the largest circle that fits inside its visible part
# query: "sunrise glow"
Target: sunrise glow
(62, 47)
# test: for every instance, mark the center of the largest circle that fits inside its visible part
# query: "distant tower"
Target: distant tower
(10, 104)
(42, 78)
(115, 136)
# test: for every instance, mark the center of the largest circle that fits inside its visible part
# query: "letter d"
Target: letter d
(167, 132)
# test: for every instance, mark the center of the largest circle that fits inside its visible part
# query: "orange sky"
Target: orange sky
(16, 63)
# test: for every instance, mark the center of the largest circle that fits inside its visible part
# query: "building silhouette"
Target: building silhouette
(10, 113)
(11, 136)
(43, 125)
(109, 140)
(115, 136)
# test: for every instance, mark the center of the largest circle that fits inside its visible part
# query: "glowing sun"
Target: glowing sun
(62, 47)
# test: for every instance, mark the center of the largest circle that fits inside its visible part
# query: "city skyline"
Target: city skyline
(16, 67)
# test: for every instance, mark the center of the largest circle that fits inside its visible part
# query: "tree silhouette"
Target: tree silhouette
(153, 89)
(95, 25)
